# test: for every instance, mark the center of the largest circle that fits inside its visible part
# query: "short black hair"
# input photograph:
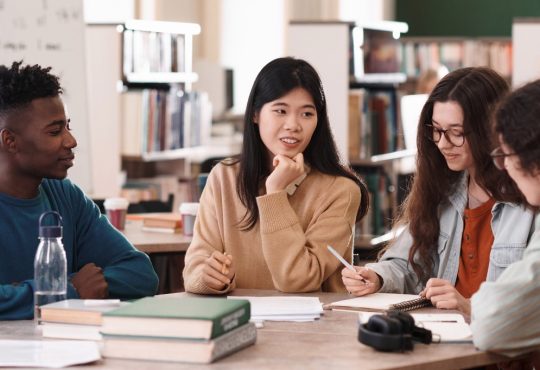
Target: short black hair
(19, 85)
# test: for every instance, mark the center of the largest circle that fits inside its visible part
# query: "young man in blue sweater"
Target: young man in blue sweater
(36, 151)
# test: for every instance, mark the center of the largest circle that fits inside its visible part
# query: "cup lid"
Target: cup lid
(116, 203)
(189, 208)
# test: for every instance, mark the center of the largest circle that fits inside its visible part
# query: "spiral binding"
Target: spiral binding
(412, 304)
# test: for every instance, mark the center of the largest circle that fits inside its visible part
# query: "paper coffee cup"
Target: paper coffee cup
(189, 212)
(116, 210)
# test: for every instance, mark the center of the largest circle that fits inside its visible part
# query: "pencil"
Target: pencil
(345, 263)
(224, 267)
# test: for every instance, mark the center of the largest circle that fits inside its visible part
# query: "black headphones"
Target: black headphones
(394, 331)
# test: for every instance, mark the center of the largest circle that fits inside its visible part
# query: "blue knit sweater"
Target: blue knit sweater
(88, 237)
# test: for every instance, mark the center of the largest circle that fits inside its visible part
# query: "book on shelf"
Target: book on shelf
(132, 123)
(178, 350)
(419, 55)
(177, 317)
(356, 113)
(381, 302)
(157, 120)
(79, 311)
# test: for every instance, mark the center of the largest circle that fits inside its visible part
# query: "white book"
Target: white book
(71, 331)
(284, 308)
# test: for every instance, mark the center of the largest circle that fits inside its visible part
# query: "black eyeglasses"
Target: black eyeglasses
(498, 156)
(454, 136)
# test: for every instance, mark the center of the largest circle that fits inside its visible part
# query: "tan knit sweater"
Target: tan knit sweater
(286, 250)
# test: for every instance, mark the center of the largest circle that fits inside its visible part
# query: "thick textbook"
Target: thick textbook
(78, 311)
(381, 302)
(177, 317)
(166, 349)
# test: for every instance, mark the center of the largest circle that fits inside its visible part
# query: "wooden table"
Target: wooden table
(328, 343)
(154, 242)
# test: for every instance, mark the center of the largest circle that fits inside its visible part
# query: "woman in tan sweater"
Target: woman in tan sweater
(266, 218)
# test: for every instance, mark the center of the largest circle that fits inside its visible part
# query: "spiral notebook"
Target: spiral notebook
(381, 302)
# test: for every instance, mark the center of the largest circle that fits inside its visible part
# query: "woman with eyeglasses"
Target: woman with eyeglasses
(462, 222)
(505, 313)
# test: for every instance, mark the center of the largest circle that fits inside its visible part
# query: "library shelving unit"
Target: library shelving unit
(419, 54)
(360, 82)
(164, 119)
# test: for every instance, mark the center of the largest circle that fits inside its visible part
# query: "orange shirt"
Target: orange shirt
(476, 245)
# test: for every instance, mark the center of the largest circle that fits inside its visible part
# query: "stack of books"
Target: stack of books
(163, 222)
(181, 329)
(76, 318)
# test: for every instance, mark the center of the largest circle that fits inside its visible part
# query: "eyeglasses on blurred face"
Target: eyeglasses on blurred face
(455, 136)
(498, 156)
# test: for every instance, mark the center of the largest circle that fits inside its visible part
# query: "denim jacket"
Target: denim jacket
(512, 226)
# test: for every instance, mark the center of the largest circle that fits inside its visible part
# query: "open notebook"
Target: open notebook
(381, 302)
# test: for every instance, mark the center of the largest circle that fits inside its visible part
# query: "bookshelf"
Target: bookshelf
(166, 125)
(164, 118)
(419, 54)
(362, 99)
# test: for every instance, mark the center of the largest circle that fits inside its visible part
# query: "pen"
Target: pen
(344, 262)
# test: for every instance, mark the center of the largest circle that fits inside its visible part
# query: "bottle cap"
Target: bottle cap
(50, 231)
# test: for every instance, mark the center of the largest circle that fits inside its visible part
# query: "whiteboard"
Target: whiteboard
(51, 33)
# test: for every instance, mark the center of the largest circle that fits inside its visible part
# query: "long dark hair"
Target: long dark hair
(518, 122)
(477, 91)
(275, 80)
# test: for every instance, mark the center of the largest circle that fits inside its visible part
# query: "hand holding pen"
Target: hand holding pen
(218, 270)
(358, 280)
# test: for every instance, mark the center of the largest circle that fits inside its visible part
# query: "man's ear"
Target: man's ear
(7, 140)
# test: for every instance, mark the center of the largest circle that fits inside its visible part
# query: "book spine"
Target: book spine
(234, 341)
(230, 321)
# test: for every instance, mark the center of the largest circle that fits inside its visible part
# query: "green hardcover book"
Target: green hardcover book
(177, 317)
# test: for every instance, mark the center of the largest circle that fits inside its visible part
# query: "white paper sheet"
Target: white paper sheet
(44, 353)
(284, 308)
